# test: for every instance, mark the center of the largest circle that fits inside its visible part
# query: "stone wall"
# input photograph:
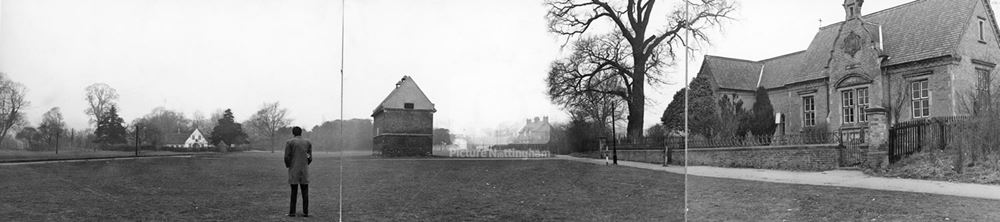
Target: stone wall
(645, 156)
(796, 157)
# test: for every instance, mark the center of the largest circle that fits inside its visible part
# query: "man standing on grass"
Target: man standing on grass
(298, 156)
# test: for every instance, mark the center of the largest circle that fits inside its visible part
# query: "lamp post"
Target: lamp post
(614, 136)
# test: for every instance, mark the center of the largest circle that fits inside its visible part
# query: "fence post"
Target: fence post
(941, 136)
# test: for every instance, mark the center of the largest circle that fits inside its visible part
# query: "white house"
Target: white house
(195, 140)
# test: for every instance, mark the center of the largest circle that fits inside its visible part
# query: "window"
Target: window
(853, 103)
(862, 104)
(982, 35)
(847, 103)
(982, 89)
(920, 98)
(808, 111)
(408, 105)
(983, 83)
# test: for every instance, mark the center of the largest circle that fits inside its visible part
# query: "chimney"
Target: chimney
(536, 119)
(545, 119)
(528, 121)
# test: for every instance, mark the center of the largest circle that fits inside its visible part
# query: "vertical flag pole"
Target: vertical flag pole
(340, 181)
(687, 91)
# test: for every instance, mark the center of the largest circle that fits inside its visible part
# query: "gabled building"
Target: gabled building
(404, 122)
(535, 131)
(193, 140)
(921, 59)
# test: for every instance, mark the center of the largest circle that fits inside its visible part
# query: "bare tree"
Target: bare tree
(268, 120)
(52, 127)
(585, 85)
(572, 18)
(900, 96)
(12, 103)
(205, 124)
(100, 98)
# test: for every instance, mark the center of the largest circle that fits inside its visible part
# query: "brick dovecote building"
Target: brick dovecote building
(404, 122)
(920, 59)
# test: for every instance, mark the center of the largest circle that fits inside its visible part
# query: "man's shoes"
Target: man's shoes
(305, 215)
(290, 215)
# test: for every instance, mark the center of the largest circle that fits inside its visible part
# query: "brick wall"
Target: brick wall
(404, 121)
(401, 145)
(798, 157)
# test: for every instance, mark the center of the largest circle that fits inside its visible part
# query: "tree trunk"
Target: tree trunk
(637, 97)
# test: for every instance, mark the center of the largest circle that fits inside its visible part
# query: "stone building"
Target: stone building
(535, 131)
(404, 122)
(925, 58)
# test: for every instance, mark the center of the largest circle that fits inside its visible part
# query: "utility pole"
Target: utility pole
(137, 140)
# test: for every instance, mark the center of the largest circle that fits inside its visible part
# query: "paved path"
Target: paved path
(839, 178)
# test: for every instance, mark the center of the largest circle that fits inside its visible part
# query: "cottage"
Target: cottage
(921, 59)
(403, 122)
(193, 140)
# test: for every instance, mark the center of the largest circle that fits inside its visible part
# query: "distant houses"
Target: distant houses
(535, 131)
(181, 140)
(404, 122)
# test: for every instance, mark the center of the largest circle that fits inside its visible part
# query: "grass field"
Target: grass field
(250, 186)
(714, 199)
(21, 155)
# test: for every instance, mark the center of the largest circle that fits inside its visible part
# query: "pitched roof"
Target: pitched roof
(918, 30)
(779, 69)
(913, 31)
(181, 138)
(406, 91)
(732, 73)
(175, 138)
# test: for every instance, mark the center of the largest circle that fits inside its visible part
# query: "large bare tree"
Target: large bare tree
(100, 98)
(12, 104)
(632, 22)
(52, 127)
(585, 87)
(268, 120)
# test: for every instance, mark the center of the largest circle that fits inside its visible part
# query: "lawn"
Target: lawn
(22, 155)
(714, 199)
(250, 186)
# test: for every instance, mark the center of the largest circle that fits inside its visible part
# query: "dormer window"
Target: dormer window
(407, 105)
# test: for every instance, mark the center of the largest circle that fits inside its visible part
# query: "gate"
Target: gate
(852, 149)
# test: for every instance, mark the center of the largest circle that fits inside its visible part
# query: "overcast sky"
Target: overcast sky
(483, 63)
